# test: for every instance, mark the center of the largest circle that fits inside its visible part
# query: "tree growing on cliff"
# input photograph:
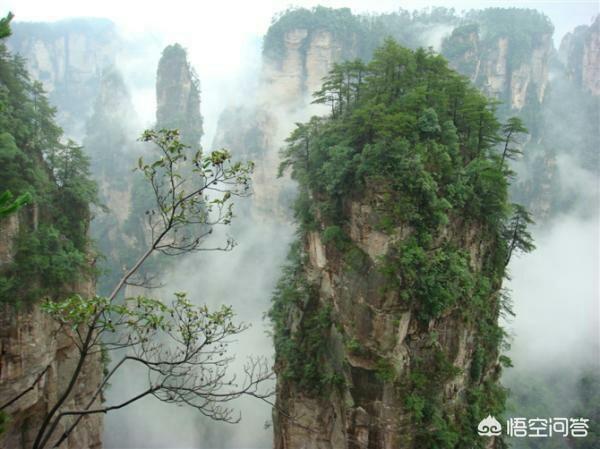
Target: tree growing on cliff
(9, 204)
(512, 129)
(182, 347)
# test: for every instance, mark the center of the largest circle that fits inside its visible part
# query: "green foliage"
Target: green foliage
(3, 421)
(300, 354)
(75, 191)
(487, 398)
(515, 232)
(425, 143)
(8, 205)
(461, 48)
(384, 370)
(336, 236)
(423, 138)
(355, 347)
(424, 400)
(38, 168)
(432, 281)
(5, 25)
(138, 316)
(512, 129)
(46, 264)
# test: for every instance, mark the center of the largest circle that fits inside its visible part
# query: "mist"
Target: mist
(555, 294)
(555, 289)
(244, 279)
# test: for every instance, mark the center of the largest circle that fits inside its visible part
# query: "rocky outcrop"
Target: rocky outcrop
(284, 96)
(284, 79)
(590, 76)
(307, 57)
(492, 65)
(178, 95)
(580, 53)
(35, 352)
(323, 50)
(68, 57)
(531, 75)
(380, 353)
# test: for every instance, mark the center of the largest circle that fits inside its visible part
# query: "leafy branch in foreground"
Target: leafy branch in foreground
(182, 347)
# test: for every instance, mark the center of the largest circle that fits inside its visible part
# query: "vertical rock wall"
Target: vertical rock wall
(31, 343)
(580, 53)
(68, 57)
(492, 67)
(178, 95)
(369, 407)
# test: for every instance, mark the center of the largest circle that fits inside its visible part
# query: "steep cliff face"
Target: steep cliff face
(300, 48)
(580, 53)
(382, 352)
(68, 57)
(178, 95)
(504, 52)
(32, 345)
(44, 254)
(298, 71)
(285, 95)
(591, 59)
(295, 59)
(110, 140)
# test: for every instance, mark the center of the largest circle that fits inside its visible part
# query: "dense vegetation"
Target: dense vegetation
(424, 148)
(470, 41)
(52, 243)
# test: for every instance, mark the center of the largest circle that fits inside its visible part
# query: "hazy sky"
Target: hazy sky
(223, 24)
(222, 36)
